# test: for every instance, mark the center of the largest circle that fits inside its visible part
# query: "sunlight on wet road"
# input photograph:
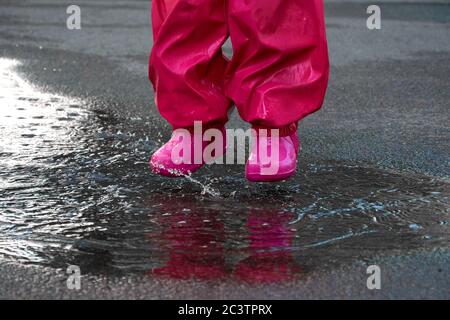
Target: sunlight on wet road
(35, 127)
(75, 189)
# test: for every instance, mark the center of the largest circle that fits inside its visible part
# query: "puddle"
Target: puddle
(75, 189)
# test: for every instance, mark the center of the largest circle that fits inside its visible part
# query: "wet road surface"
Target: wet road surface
(75, 188)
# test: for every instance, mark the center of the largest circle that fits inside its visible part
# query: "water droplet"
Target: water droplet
(414, 226)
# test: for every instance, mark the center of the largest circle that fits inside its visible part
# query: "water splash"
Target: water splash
(206, 188)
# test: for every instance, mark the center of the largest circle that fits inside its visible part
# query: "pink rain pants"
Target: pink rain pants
(278, 73)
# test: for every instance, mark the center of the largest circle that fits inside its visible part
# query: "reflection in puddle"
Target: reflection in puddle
(75, 189)
(198, 248)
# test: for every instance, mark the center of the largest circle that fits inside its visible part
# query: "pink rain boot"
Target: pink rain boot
(162, 162)
(280, 161)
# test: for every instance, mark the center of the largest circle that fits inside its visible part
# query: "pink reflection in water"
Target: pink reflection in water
(193, 254)
(196, 248)
(270, 259)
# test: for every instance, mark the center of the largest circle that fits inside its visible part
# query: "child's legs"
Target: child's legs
(279, 70)
(187, 67)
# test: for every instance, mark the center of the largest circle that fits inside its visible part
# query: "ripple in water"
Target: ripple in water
(75, 189)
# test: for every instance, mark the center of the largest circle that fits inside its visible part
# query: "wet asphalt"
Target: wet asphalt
(387, 109)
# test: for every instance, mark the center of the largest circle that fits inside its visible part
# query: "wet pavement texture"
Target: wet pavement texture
(77, 128)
